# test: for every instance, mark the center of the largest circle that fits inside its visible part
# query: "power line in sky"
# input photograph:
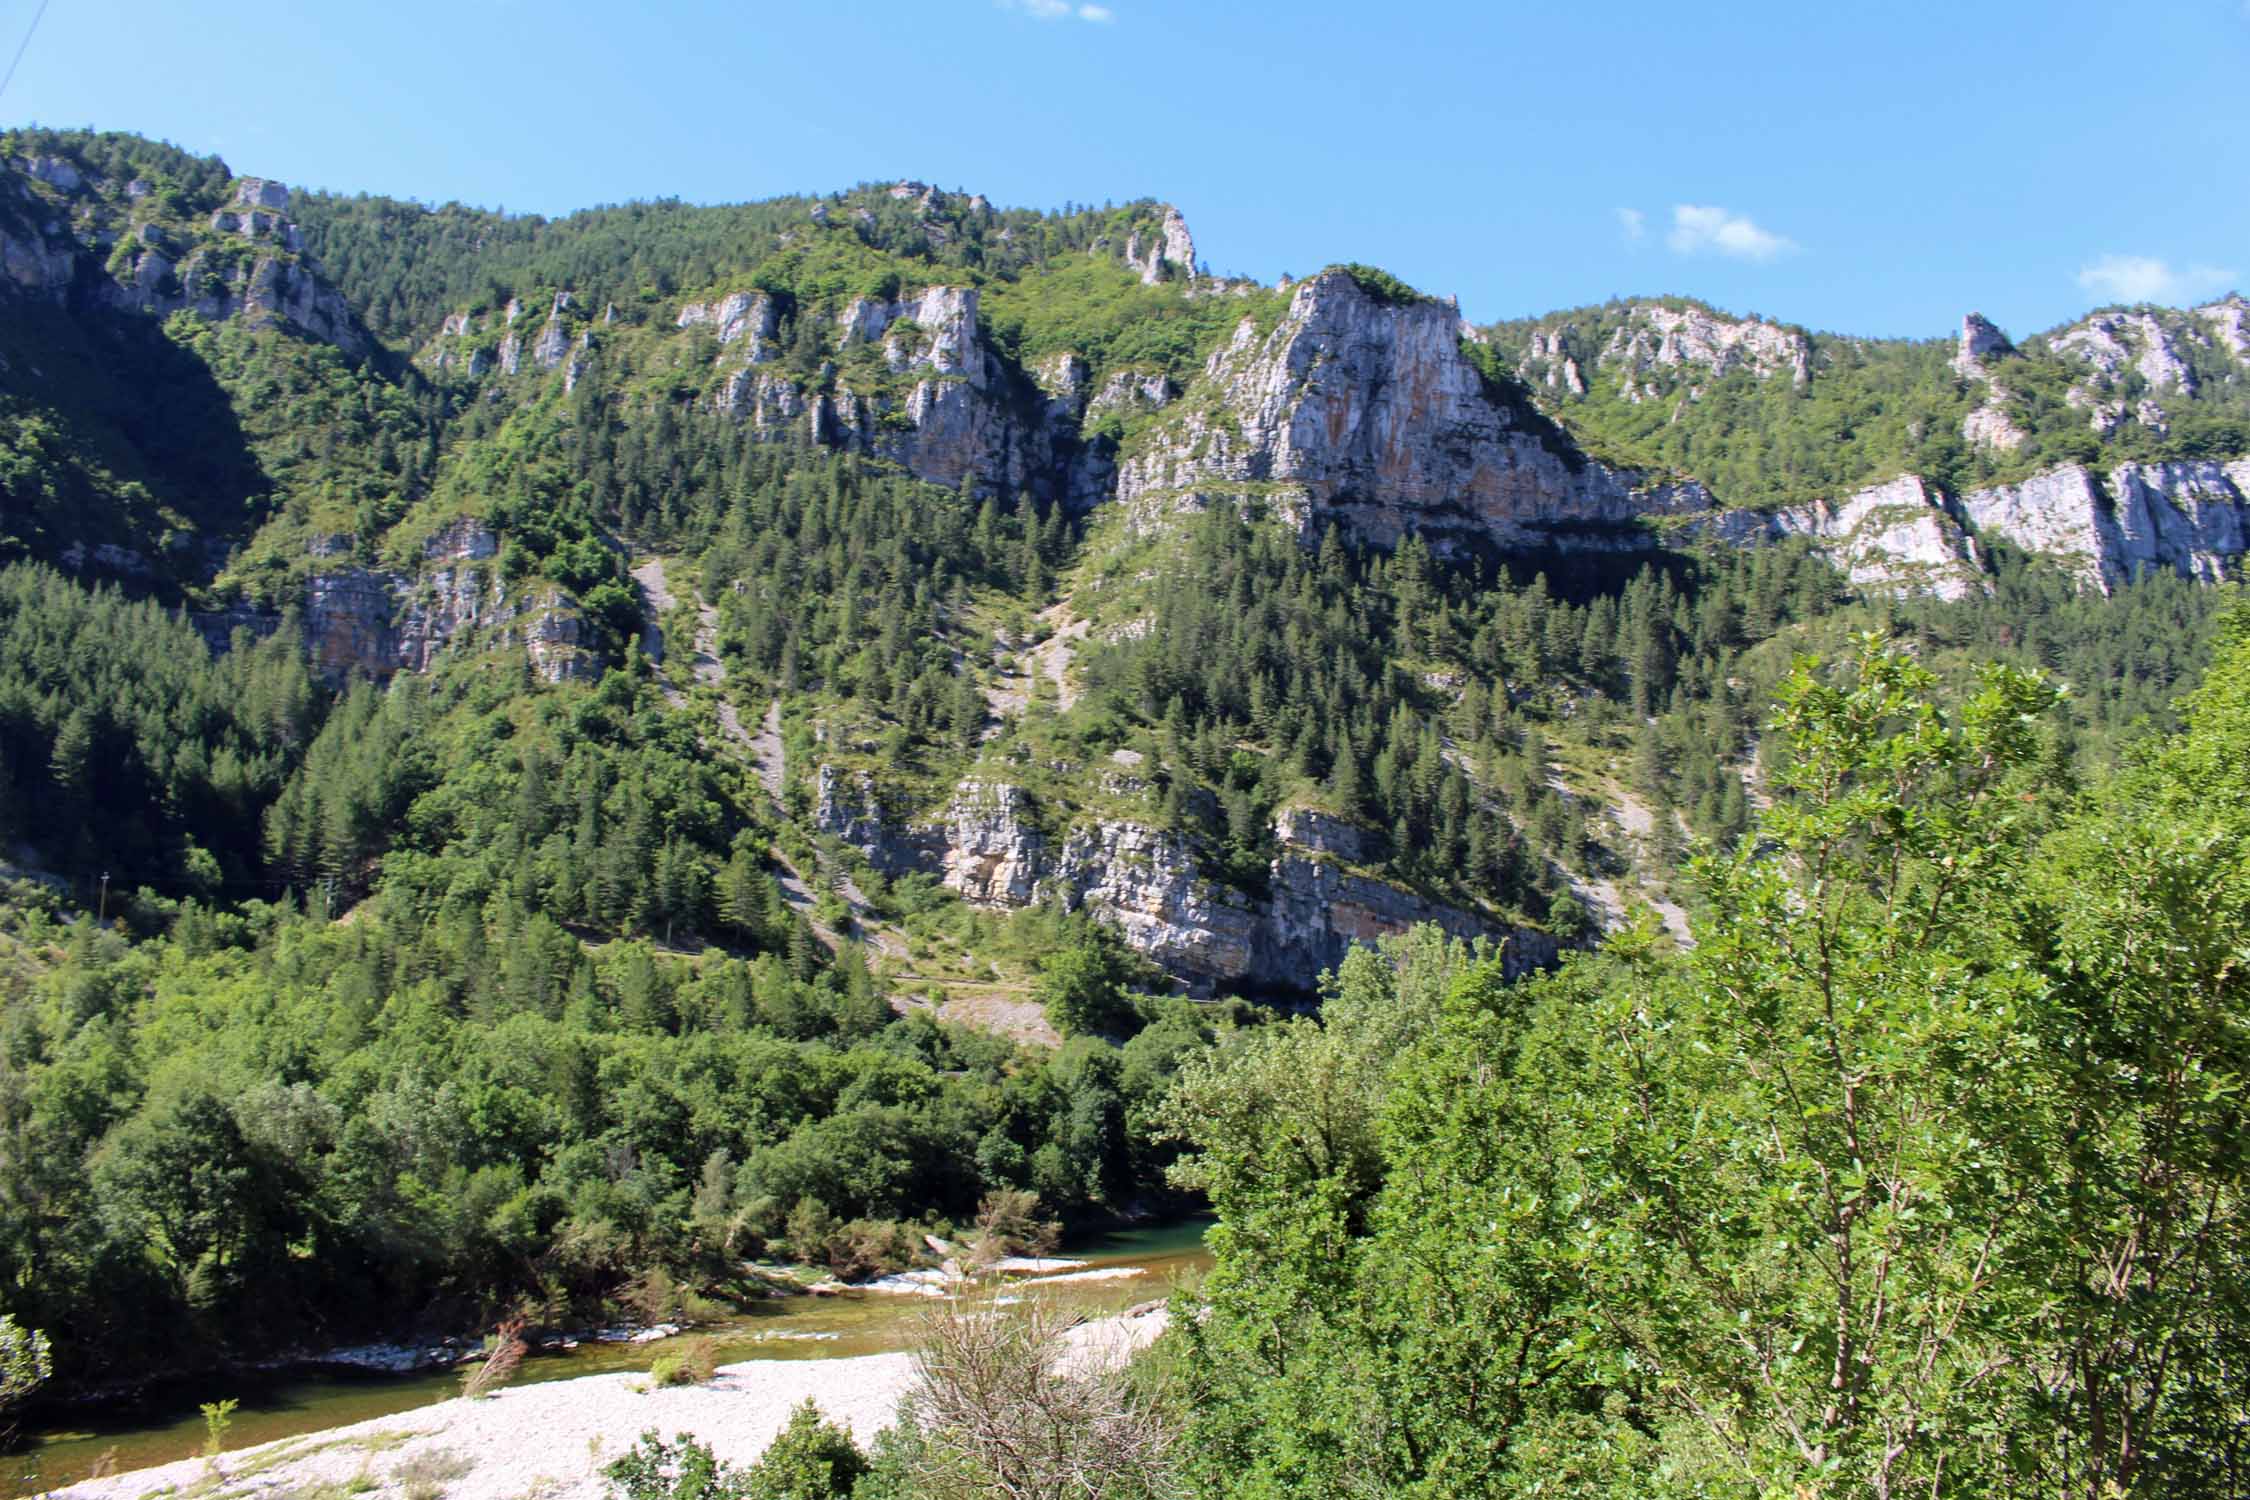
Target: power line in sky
(23, 47)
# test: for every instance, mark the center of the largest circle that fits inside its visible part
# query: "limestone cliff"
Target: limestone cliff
(989, 846)
(1169, 251)
(941, 402)
(374, 623)
(1656, 339)
(86, 244)
(2187, 518)
(1895, 538)
(1361, 409)
(2104, 529)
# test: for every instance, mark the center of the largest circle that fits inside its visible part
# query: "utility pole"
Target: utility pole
(104, 918)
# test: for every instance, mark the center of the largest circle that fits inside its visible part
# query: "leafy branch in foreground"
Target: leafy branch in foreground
(1925, 1170)
(26, 1362)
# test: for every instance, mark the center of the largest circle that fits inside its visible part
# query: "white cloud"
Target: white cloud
(1699, 229)
(2145, 278)
(1635, 223)
(1060, 10)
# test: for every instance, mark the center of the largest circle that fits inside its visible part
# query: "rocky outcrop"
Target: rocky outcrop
(1892, 538)
(950, 408)
(553, 344)
(994, 854)
(1901, 537)
(1128, 391)
(37, 255)
(1981, 339)
(1147, 882)
(1547, 359)
(561, 342)
(2108, 342)
(746, 318)
(2229, 322)
(847, 807)
(1361, 409)
(1990, 426)
(2187, 518)
(247, 263)
(989, 846)
(363, 622)
(1659, 338)
(1170, 250)
(1320, 910)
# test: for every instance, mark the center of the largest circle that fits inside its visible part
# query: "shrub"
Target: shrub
(811, 1459)
(499, 1364)
(682, 1469)
(26, 1360)
(995, 1412)
(1008, 1223)
(872, 1247)
(689, 1362)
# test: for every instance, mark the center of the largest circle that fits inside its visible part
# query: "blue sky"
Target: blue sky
(1867, 169)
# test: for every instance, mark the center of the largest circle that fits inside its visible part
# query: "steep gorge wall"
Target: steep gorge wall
(373, 623)
(988, 845)
(87, 245)
(1362, 410)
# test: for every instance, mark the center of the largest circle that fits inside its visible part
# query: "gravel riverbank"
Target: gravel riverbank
(550, 1441)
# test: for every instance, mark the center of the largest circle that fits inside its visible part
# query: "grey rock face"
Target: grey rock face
(1980, 338)
(552, 345)
(1990, 426)
(965, 417)
(2229, 320)
(1170, 247)
(2109, 341)
(107, 556)
(847, 806)
(53, 171)
(1129, 390)
(736, 317)
(1323, 833)
(40, 260)
(260, 192)
(1656, 337)
(1894, 538)
(273, 292)
(994, 856)
(362, 622)
(2187, 518)
(1320, 911)
(1365, 412)
(1149, 882)
(160, 277)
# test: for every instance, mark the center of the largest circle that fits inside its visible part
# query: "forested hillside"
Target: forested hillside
(545, 761)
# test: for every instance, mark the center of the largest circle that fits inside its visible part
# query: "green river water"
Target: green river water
(288, 1404)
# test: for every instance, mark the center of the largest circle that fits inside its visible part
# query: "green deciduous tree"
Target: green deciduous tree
(26, 1360)
(1923, 1172)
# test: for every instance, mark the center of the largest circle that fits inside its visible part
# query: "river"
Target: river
(291, 1403)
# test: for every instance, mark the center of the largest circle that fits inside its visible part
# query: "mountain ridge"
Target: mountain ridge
(460, 464)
